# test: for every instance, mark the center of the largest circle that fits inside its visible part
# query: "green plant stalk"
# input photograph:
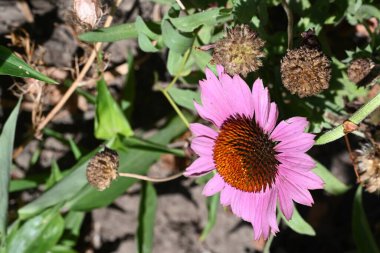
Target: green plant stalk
(185, 58)
(356, 118)
(175, 107)
(167, 95)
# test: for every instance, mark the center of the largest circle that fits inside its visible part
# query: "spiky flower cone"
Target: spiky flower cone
(240, 52)
(359, 69)
(368, 162)
(102, 169)
(306, 71)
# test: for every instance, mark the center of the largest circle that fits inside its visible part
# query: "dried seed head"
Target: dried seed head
(240, 52)
(87, 12)
(368, 162)
(359, 69)
(305, 71)
(102, 169)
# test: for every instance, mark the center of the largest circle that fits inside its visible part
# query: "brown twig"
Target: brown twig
(80, 77)
(289, 15)
(349, 127)
(150, 179)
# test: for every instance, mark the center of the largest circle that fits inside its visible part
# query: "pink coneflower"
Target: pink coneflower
(256, 161)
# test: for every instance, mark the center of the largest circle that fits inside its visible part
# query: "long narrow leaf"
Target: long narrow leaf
(6, 146)
(298, 224)
(147, 216)
(212, 207)
(361, 231)
(11, 65)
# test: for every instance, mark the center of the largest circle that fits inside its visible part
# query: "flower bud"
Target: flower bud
(87, 12)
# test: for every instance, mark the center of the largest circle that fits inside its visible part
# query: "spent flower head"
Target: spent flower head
(102, 169)
(240, 52)
(359, 69)
(368, 163)
(306, 70)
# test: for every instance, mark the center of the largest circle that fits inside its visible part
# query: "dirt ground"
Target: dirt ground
(182, 211)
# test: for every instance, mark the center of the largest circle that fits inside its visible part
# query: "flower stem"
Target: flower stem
(167, 88)
(289, 15)
(175, 107)
(356, 118)
(150, 179)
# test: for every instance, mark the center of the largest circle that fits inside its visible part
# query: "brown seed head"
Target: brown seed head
(368, 162)
(305, 71)
(240, 52)
(102, 169)
(359, 69)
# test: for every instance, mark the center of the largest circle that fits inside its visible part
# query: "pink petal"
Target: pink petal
(226, 195)
(289, 127)
(261, 102)
(299, 161)
(219, 69)
(215, 185)
(286, 203)
(203, 146)
(272, 118)
(296, 192)
(202, 130)
(213, 99)
(209, 115)
(238, 95)
(200, 167)
(306, 180)
(299, 143)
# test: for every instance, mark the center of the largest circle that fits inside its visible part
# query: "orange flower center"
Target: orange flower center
(244, 155)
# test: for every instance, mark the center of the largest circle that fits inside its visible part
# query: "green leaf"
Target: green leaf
(138, 143)
(175, 64)
(74, 148)
(135, 161)
(109, 118)
(367, 11)
(146, 44)
(39, 234)
(185, 98)
(73, 224)
(6, 146)
(111, 34)
(175, 40)
(11, 65)
(332, 184)
(151, 32)
(75, 189)
(360, 228)
(22, 184)
(129, 90)
(212, 207)
(147, 216)
(55, 175)
(64, 190)
(356, 118)
(62, 249)
(298, 224)
(211, 17)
